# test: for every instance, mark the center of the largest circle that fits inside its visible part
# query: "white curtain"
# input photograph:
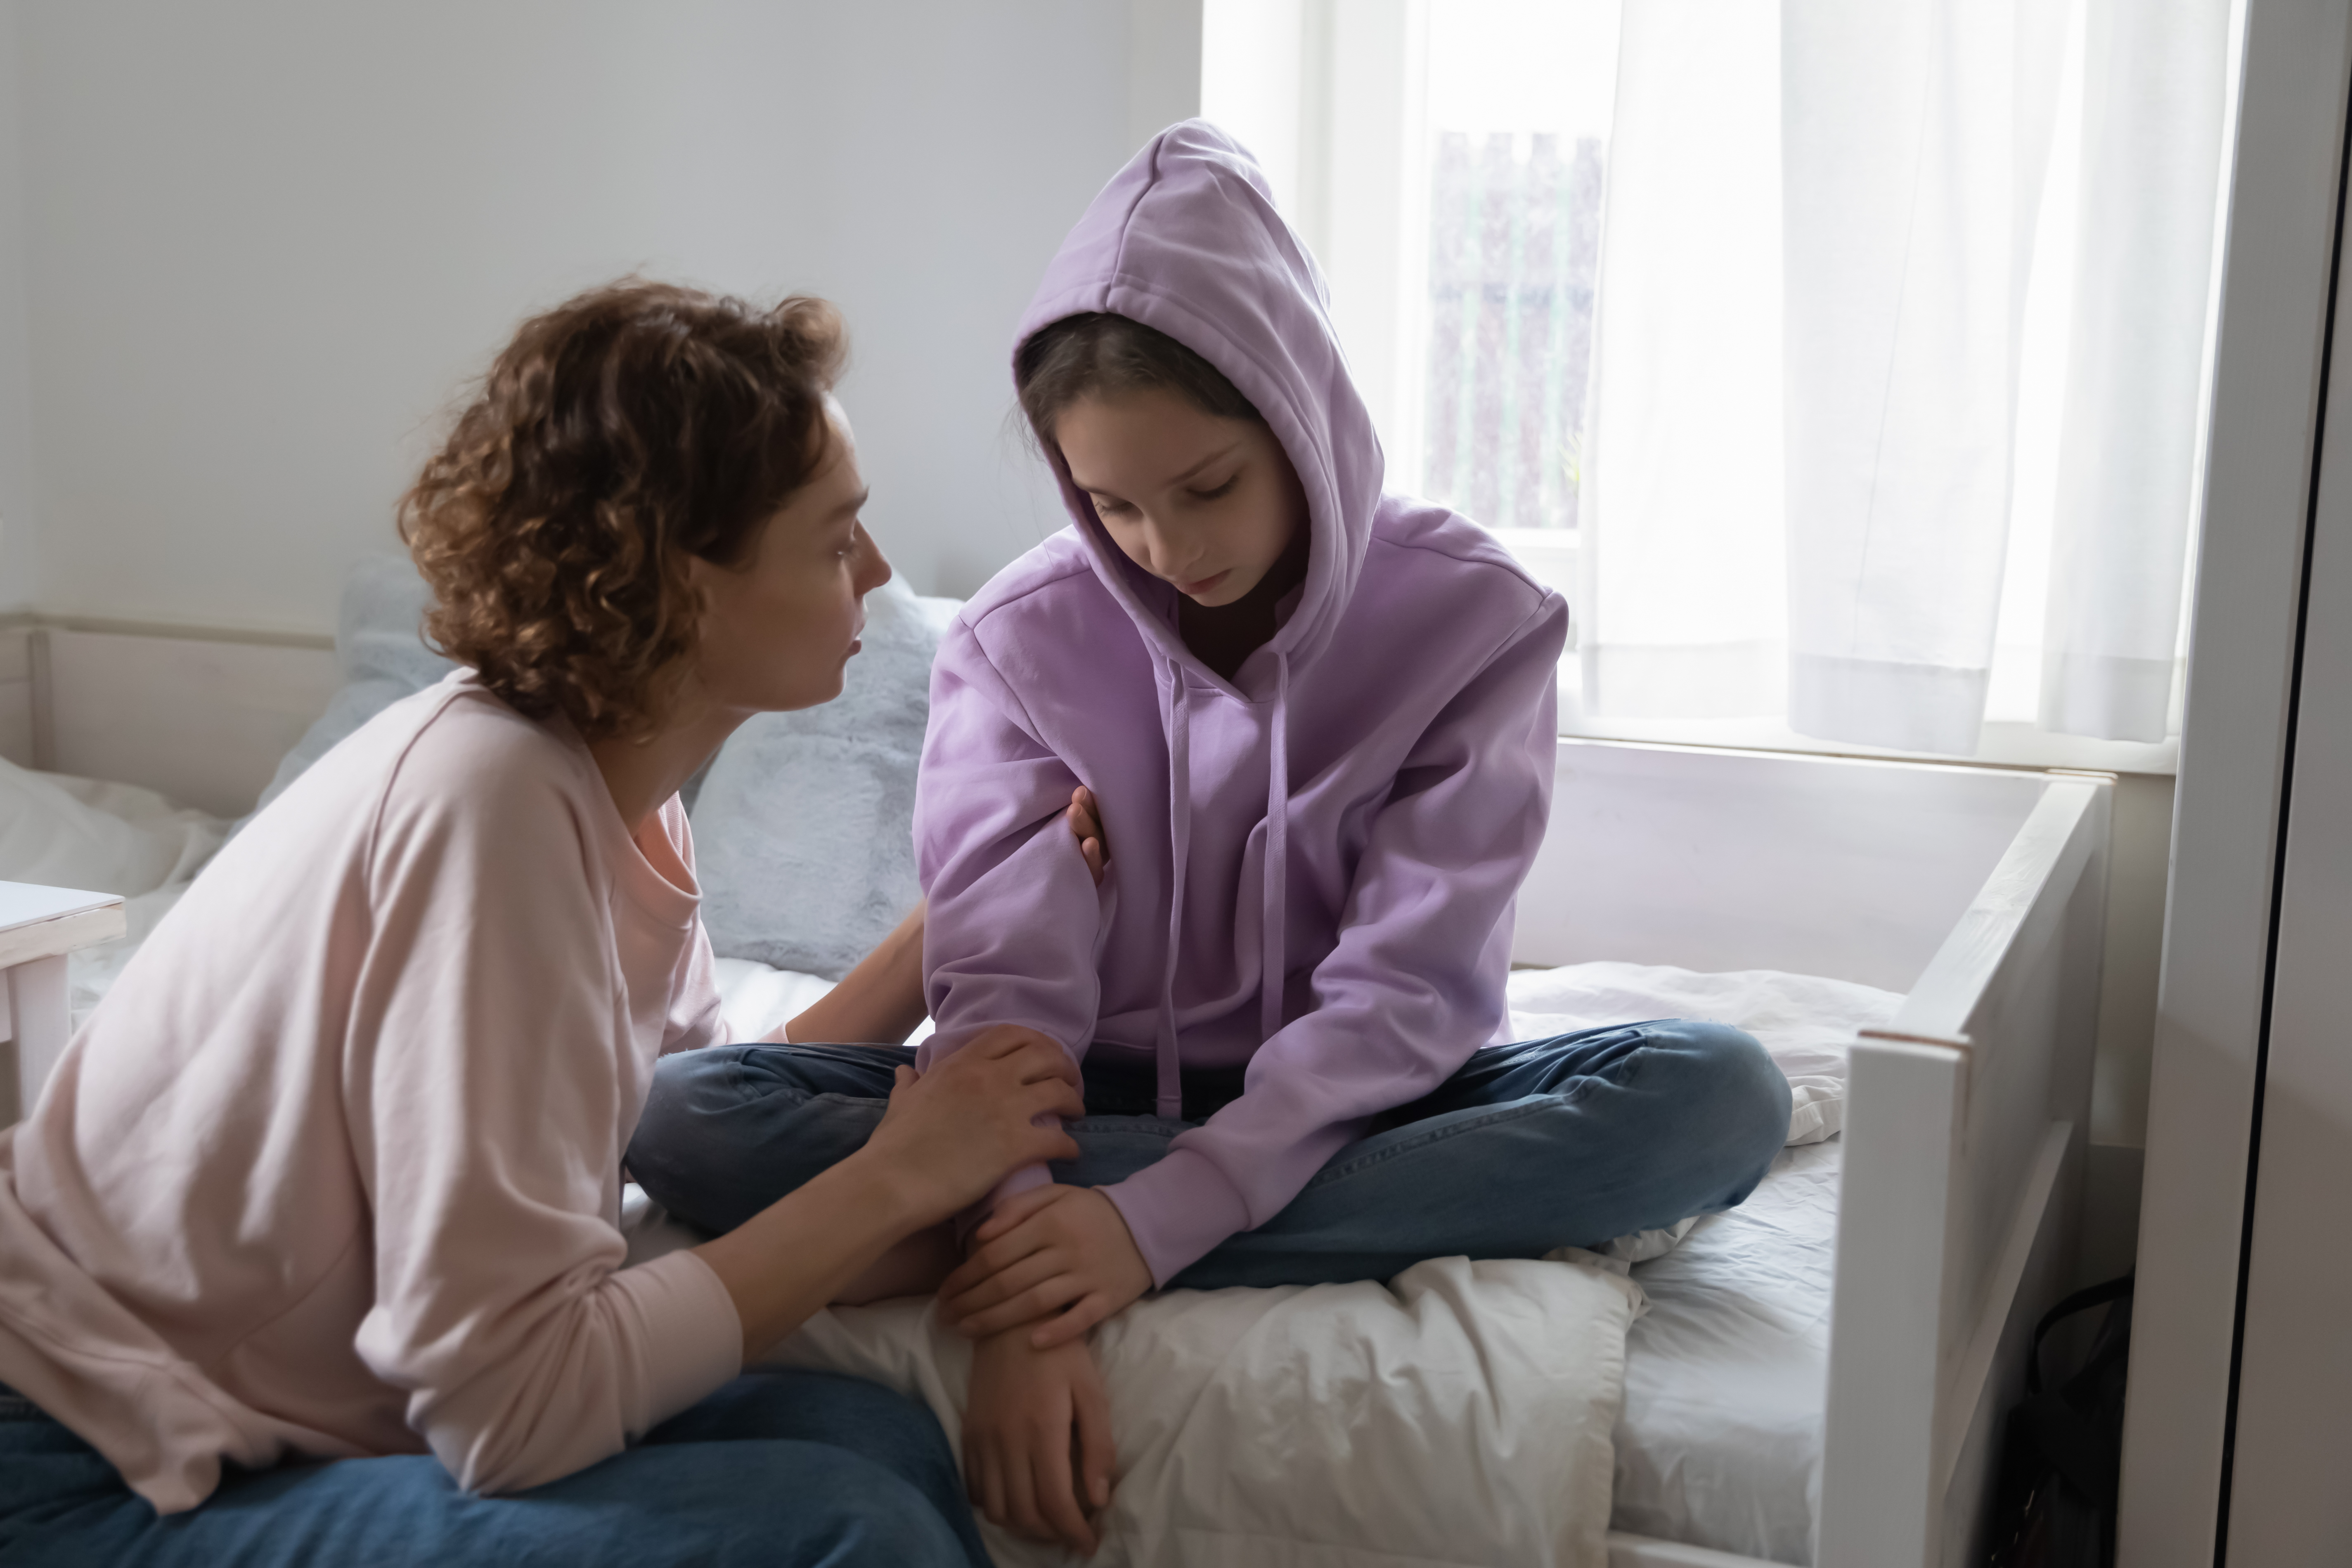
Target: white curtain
(2153, 102)
(1821, 221)
(1682, 565)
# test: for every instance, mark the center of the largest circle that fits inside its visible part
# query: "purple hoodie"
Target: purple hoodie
(1353, 812)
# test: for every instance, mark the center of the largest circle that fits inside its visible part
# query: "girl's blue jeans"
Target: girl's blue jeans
(782, 1469)
(1571, 1141)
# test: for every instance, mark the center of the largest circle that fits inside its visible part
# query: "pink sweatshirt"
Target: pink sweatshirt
(335, 1169)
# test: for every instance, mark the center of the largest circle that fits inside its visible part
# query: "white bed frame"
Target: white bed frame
(1981, 892)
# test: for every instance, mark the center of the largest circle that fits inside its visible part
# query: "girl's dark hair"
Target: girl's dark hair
(620, 434)
(1099, 354)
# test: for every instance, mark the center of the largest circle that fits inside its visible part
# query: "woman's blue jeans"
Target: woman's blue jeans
(782, 1469)
(1571, 1141)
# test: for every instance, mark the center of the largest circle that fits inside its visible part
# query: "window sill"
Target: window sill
(2004, 745)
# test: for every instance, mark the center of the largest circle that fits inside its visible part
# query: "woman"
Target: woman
(334, 1175)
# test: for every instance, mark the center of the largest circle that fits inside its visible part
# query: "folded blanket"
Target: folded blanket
(1460, 1414)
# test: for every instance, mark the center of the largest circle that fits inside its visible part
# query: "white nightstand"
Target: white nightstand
(38, 926)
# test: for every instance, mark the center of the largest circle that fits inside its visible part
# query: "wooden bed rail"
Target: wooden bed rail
(1964, 1137)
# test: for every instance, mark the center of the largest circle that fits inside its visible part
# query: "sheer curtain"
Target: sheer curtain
(1682, 565)
(1821, 222)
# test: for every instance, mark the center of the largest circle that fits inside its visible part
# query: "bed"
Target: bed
(1979, 894)
(1954, 915)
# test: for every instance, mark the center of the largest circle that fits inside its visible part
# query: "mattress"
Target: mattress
(1727, 1373)
(1719, 1443)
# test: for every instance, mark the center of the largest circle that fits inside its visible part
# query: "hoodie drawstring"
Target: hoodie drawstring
(1178, 729)
(1271, 957)
(1271, 972)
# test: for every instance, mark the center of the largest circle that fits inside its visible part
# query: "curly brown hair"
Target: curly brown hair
(625, 430)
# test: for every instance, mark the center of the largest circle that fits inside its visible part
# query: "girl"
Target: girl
(334, 1173)
(1320, 719)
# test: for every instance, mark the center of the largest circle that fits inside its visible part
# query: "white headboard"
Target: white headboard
(202, 716)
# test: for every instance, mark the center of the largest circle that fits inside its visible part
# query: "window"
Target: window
(1516, 143)
(1639, 290)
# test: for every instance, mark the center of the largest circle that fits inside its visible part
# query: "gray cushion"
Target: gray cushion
(803, 831)
(380, 645)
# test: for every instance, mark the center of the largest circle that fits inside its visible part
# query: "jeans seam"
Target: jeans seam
(1531, 1106)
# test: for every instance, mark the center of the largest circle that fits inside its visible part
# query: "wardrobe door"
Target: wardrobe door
(2290, 1492)
(2281, 396)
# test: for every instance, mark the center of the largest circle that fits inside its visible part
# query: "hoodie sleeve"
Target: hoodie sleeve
(1415, 983)
(1015, 918)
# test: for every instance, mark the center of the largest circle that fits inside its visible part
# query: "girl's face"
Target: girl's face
(1206, 503)
(779, 629)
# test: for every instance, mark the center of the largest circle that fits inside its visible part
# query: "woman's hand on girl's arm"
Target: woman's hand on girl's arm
(1037, 1449)
(1085, 819)
(949, 1136)
(1059, 1254)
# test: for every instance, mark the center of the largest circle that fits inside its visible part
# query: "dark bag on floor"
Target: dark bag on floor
(2062, 1451)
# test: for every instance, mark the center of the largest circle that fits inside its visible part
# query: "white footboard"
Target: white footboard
(1964, 1138)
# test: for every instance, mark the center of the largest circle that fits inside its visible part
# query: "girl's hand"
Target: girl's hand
(1037, 1451)
(1062, 1254)
(1085, 819)
(953, 1132)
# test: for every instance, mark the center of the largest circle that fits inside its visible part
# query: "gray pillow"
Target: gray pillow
(380, 645)
(803, 831)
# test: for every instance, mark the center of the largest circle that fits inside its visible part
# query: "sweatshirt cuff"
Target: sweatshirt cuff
(1020, 1180)
(693, 1338)
(1178, 1209)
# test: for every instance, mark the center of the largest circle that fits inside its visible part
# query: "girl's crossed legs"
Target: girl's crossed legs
(1571, 1141)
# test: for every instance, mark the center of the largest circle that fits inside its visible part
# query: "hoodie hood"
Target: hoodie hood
(1344, 946)
(1186, 239)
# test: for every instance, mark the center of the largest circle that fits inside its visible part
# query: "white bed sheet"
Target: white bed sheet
(1727, 1374)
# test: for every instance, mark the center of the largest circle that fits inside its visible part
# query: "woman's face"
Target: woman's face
(778, 629)
(1206, 503)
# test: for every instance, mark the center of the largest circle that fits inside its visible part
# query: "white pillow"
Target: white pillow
(65, 832)
(804, 829)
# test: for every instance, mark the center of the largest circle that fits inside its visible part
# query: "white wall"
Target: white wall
(20, 573)
(267, 241)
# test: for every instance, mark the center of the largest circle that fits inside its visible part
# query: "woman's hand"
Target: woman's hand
(1085, 819)
(1060, 1254)
(1037, 1450)
(950, 1134)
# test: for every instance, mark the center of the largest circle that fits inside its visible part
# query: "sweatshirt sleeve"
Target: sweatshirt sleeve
(1415, 983)
(484, 1092)
(1014, 920)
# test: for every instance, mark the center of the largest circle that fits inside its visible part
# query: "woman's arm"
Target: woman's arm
(948, 1136)
(876, 1004)
(484, 1084)
(881, 1000)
